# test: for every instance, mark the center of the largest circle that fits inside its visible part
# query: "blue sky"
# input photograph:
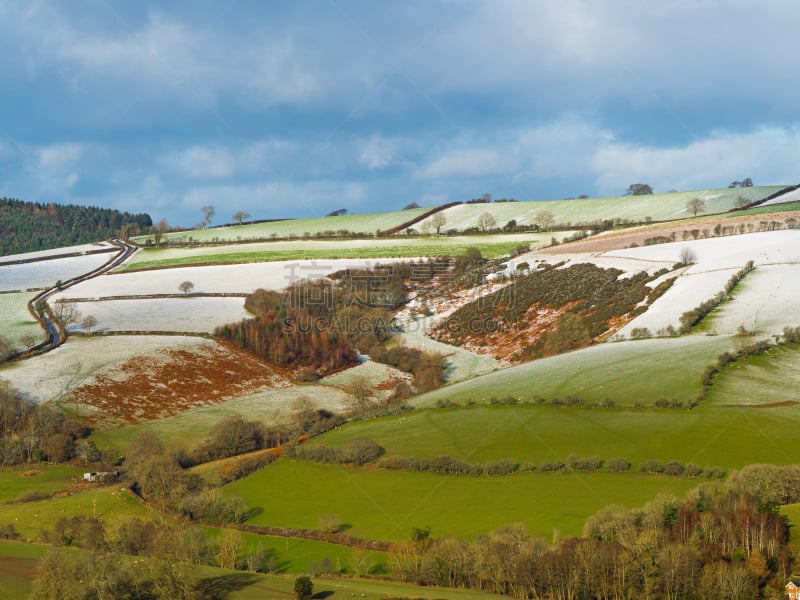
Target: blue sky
(297, 109)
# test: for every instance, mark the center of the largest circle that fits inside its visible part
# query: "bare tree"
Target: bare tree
(438, 221)
(741, 202)
(208, 214)
(158, 230)
(544, 219)
(487, 221)
(28, 340)
(186, 287)
(240, 216)
(65, 314)
(687, 256)
(88, 323)
(696, 205)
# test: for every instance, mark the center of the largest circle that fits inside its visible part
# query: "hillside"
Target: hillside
(33, 226)
(570, 385)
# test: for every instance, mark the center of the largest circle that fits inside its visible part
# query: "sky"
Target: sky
(296, 109)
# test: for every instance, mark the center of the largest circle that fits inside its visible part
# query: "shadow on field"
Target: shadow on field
(252, 513)
(322, 595)
(218, 588)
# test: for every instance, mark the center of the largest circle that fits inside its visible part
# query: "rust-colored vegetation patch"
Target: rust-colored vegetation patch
(153, 387)
(770, 405)
(29, 473)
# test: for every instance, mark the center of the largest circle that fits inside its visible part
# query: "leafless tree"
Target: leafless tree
(487, 221)
(438, 221)
(208, 214)
(696, 206)
(240, 216)
(88, 323)
(687, 256)
(544, 219)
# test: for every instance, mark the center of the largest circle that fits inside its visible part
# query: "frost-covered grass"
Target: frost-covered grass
(191, 427)
(51, 376)
(46, 273)
(625, 372)
(238, 278)
(792, 196)
(764, 302)
(191, 314)
(461, 364)
(658, 207)
(15, 320)
(56, 252)
(769, 378)
(769, 247)
(361, 223)
(491, 246)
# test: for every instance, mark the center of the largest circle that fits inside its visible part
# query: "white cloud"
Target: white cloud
(468, 162)
(59, 156)
(768, 155)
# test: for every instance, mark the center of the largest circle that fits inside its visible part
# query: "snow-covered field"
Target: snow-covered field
(768, 299)
(46, 273)
(55, 253)
(792, 196)
(239, 278)
(768, 247)
(189, 315)
(52, 376)
(765, 302)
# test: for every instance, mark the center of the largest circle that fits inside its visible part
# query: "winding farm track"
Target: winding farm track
(39, 308)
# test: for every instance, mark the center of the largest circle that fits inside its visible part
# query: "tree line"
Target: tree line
(33, 226)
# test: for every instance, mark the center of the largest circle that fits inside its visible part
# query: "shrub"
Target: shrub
(590, 463)
(303, 587)
(652, 466)
(674, 468)
(618, 465)
(552, 466)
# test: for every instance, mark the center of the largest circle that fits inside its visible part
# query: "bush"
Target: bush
(552, 466)
(652, 466)
(303, 587)
(674, 468)
(591, 463)
(618, 465)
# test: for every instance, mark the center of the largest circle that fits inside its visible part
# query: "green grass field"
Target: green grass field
(292, 555)
(18, 564)
(386, 505)
(492, 246)
(43, 478)
(625, 372)
(110, 504)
